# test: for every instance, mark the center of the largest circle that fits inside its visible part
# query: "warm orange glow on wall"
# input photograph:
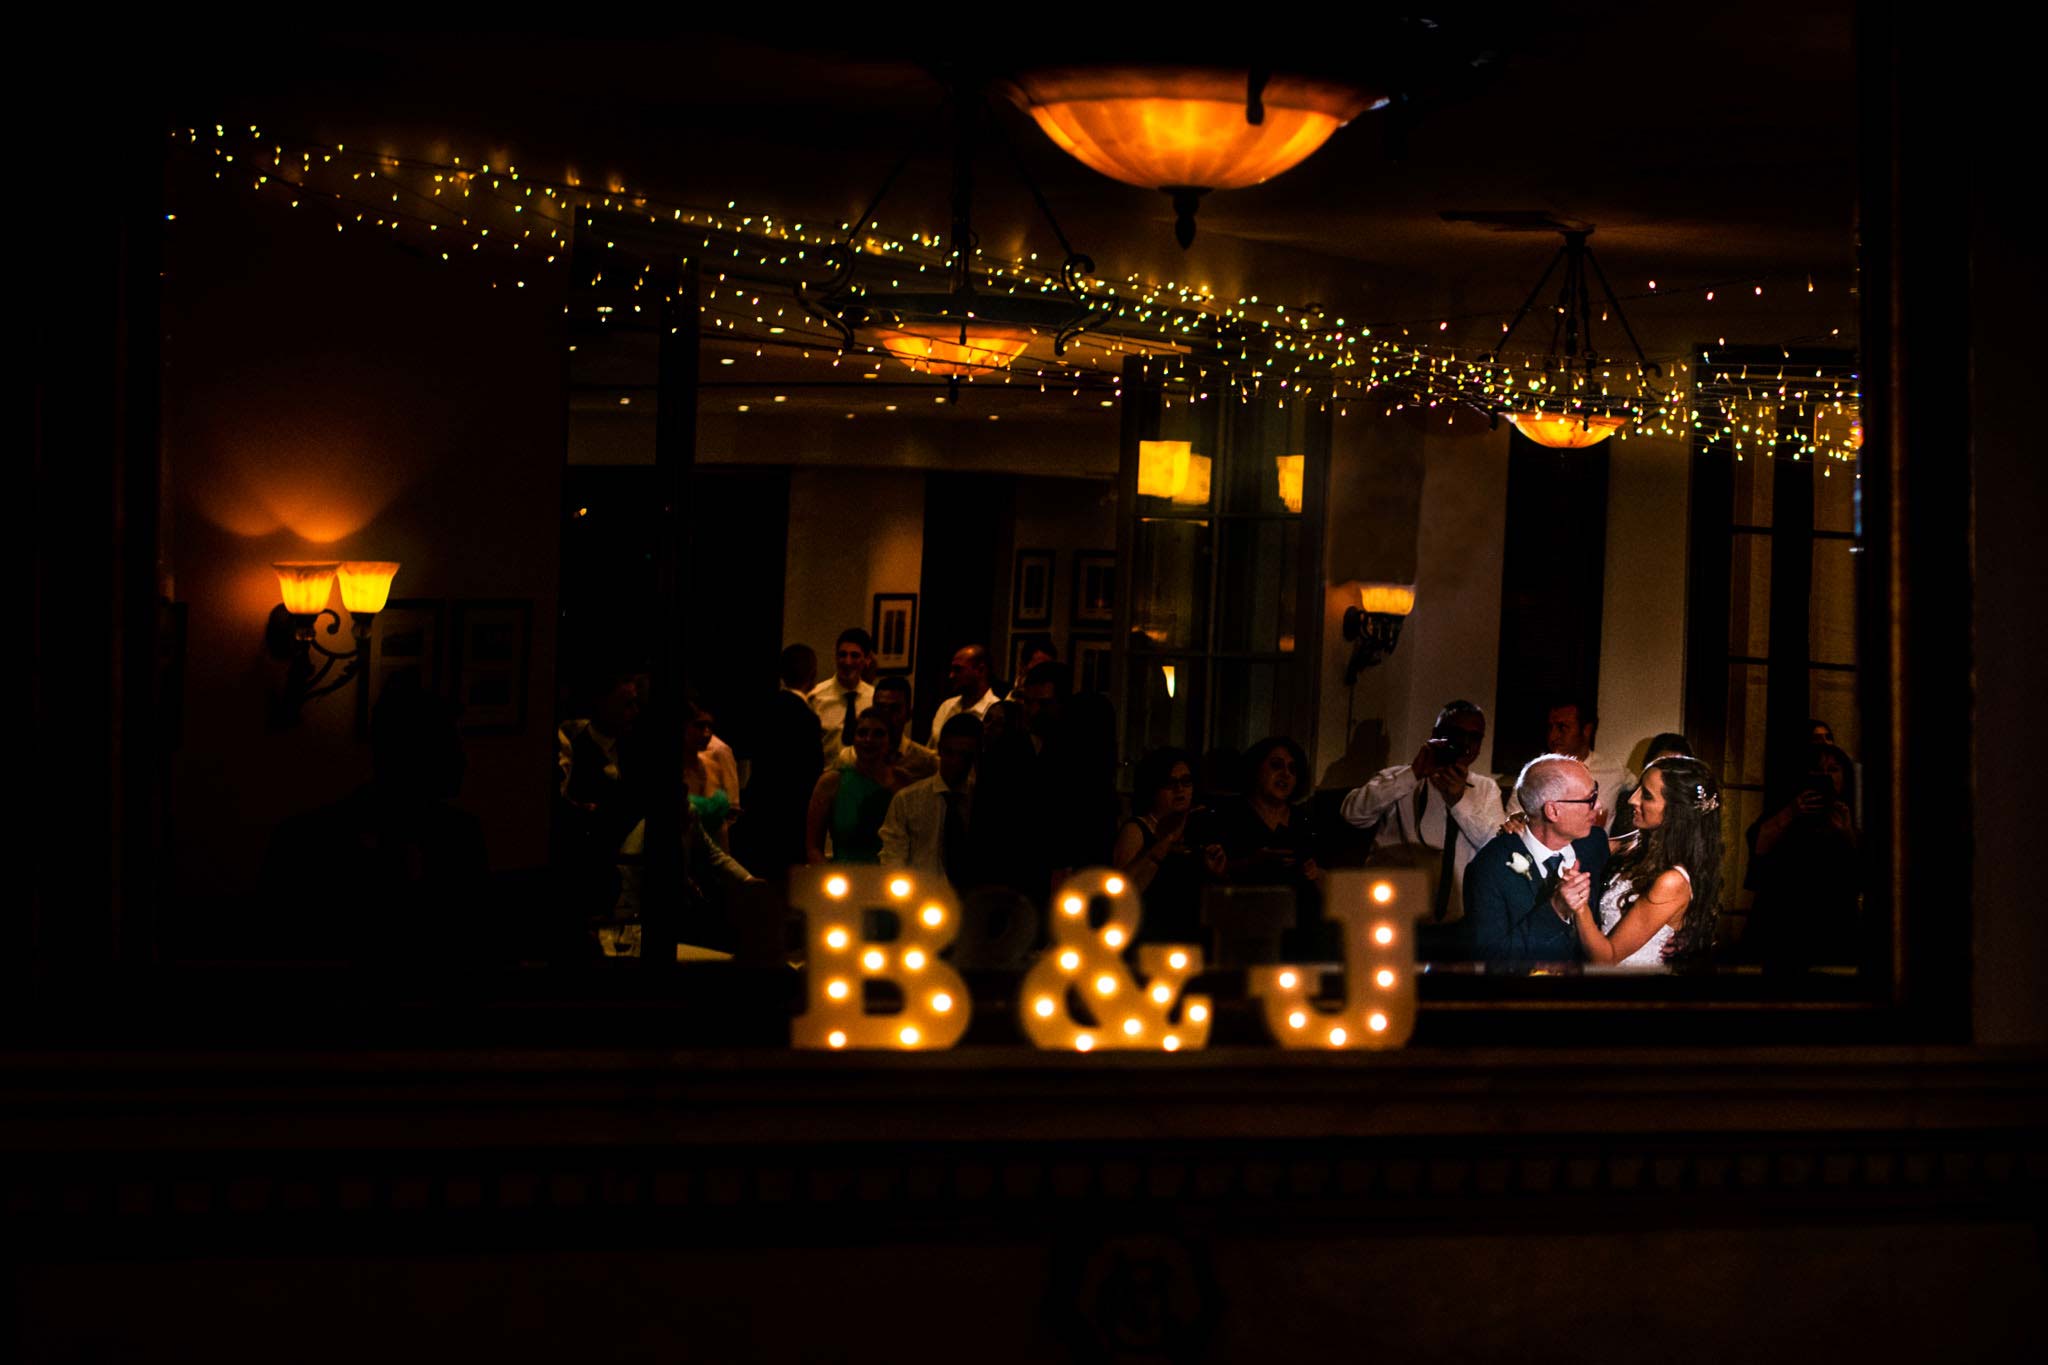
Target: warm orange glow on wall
(1563, 431)
(305, 584)
(1168, 127)
(1118, 1011)
(1292, 470)
(1386, 599)
(939, 348)
(839, 962)
(366, 585)
(1163, 468)
(1196, 492)
(1377, 912)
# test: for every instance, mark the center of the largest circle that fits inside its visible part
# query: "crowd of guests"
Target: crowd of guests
(1577, 860)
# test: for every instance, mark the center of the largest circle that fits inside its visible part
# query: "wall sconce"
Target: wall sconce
(292, 632)
(1374, 626)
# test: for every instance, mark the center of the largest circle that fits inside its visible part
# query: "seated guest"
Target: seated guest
(839, 700)
(1153, 851)
(1670, 744)
(1805, 870)
(926, 829)
(852, 799)
(1434, 813)
(971, 695)
(1033, 651)
(892, 700)
(1523, 891)
(1266, 836)
(1664, 883)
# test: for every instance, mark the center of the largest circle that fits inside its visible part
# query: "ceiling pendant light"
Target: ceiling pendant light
(1583, 412)
(1187, 130)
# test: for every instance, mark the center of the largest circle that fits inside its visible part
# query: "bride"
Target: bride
(1664, 884)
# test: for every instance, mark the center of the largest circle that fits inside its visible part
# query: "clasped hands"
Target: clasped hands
(1574, 893)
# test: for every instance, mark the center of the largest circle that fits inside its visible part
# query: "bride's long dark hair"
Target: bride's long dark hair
(1689, 836)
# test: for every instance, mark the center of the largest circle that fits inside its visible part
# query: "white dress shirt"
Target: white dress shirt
(1388, 800)
(951, 707)
(1543, 855)
(914, 830)
(828, 700)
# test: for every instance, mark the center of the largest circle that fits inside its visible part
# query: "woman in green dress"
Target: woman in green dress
(847, 806)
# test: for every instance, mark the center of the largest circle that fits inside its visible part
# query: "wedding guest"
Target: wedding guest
(839, 700)
(1823, 733)
(785, 768)
(1572, 727)
(844, 824)
(1805, 870)
(1433, 813)
(1010, 798)
(1267, 838)
(1523, 891)
(971, 695)
(1669, 744)
(1032, 651)
(710, 774)
(926, 829)
(1664, 883)
(1152, 849)
(892, 700)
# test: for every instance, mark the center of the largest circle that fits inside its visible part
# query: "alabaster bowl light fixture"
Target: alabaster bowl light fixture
(1374, 625)
(292, 633)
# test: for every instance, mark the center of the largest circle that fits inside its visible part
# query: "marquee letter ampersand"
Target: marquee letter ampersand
(1088, 962)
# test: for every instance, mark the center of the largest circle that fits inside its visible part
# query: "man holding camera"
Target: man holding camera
(1434, 813)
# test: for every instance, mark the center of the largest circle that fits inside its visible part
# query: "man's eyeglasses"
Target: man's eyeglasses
(1578, 800)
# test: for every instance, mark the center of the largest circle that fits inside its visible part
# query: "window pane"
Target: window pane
(1753, 478)
(1831, 614)
(1258, 611)
(1254, 700)
(1834, 497)
(1743, 762)
(1749, 596)
(1170, 584)
(1266, 463)
(1166, 699)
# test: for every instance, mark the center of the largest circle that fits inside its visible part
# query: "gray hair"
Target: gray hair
(1543, 779)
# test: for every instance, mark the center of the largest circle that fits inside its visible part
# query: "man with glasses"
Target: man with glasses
(1523, 889)
(1435, 813)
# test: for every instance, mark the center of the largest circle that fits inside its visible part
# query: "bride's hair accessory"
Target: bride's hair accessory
(1706, 802)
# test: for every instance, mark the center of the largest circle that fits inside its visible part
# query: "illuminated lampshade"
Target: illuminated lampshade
(366, 585)
(1163, 468)
(1564, 431)
(1166, 671)
(305, 584)
(1196, 493)
(942, 348)
(1292, 468)
(1386, 599)
(1182, 128)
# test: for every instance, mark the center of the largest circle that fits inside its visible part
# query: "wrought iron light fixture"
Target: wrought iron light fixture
(292, 634)
(1374, 626)
(1584, 414)
(962, 331)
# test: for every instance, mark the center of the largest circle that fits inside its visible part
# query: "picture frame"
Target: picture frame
(408, 639)
(491, 648)
(1094, 588)
(895, 631)
(1031, 590)
(1091, 660)
(1019, 640)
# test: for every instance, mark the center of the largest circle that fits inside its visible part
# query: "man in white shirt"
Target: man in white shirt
(892, 699)
(1434, 813)
(971, 693)
(1573, 724)
(925, 830)
(839, 700)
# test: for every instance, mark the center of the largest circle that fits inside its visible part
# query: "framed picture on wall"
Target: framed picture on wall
(895, 631)
(1031, 590)
(407, 639)
(1094, 587)
(493, 640)
(1091, 663)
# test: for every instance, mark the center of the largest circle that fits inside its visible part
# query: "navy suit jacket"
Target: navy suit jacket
(1506, 915)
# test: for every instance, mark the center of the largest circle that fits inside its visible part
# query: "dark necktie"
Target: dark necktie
(953, 840)
(1449, 867)
(1550, 874)
(852, 713)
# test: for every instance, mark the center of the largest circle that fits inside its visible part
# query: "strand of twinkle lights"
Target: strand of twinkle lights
(1303, 354)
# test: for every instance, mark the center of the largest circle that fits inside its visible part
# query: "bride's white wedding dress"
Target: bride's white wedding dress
(1651, 955)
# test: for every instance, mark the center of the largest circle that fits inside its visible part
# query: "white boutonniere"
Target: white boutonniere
(1519, 863)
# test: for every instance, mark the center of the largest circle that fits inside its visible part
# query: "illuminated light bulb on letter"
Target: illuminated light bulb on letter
(1376, 958)
(1147, 998)
(836, 1014)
